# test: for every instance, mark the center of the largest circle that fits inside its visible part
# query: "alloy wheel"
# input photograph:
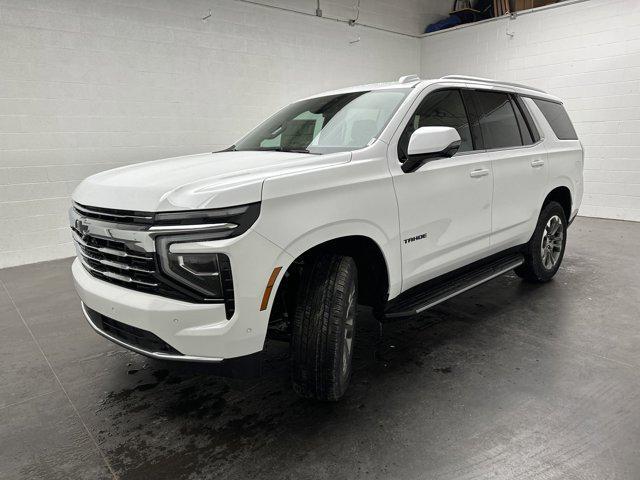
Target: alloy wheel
(551, 246)
(349, 323)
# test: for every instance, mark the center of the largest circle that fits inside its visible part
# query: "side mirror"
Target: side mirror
(428, 143)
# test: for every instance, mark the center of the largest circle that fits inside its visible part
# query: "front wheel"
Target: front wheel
(324, 327)
(544, 252)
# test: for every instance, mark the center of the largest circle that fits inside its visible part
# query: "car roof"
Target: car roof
(366, 88)
(411, 81)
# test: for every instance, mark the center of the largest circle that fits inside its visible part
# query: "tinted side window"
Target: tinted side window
(558, 118)
(527, 116)
(527, 139)
(497, 120)
(469, 100)
(442, 108)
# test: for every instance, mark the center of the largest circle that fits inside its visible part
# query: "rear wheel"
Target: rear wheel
(544, 252)
(324, 327)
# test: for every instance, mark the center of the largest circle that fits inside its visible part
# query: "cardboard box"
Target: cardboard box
(517, 5)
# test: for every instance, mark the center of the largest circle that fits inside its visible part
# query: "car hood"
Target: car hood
(208, 180)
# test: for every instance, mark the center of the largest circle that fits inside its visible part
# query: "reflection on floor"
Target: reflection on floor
(510, 380)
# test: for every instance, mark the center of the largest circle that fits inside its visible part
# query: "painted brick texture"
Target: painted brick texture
(588, 54)
(88, 86)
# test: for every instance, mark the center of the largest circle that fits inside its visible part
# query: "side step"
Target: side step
(433, 292)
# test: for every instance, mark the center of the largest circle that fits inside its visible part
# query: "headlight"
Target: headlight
(199, 271)
(208, 275)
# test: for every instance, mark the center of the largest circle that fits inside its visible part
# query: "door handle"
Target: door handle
(480, 172)
(537, 163)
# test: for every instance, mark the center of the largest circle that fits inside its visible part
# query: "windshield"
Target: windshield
(334, 123)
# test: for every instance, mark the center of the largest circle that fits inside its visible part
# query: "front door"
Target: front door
(444, 206)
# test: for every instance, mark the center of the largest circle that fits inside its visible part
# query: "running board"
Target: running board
(431, 293)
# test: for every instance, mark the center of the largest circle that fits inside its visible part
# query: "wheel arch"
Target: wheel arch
(371, 262)
(562, 195)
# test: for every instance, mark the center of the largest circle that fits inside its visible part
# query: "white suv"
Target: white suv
(397, 196)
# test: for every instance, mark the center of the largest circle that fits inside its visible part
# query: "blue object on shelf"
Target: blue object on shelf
(449, 22)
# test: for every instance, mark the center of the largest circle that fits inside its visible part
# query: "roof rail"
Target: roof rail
(489, 80)
(409, 78)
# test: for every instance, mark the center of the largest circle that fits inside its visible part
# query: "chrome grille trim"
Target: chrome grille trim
(116, 276)
(109, 251)
(111, 263)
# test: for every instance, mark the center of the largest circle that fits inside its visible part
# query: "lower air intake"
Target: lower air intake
(131, 335)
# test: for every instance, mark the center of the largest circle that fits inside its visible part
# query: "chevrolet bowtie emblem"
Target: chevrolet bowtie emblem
(80, 226)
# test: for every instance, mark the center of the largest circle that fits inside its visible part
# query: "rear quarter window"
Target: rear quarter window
(558, 118)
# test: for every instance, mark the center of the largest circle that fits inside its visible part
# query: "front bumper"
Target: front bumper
(198, 331)
(92, 318)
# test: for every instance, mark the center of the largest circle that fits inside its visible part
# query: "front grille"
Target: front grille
(111, 260)
(113, 215)
(130, 335)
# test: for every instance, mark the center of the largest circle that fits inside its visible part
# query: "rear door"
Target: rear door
(518, 161)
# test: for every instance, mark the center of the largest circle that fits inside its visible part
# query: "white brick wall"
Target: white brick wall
(410, 16)
(87, 86)
(587, 53)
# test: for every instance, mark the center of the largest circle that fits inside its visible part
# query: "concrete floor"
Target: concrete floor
(507, 381)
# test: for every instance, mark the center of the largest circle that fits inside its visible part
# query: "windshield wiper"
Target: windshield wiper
(280, 149)
(232, 148)
(294, 150)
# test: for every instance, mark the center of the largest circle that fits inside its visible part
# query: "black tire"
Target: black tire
(539, 267)
(324, 319)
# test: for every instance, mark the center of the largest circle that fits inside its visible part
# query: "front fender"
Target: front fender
(317, 236)
(302, 210)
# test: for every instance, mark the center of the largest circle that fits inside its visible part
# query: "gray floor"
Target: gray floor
(507, 381)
